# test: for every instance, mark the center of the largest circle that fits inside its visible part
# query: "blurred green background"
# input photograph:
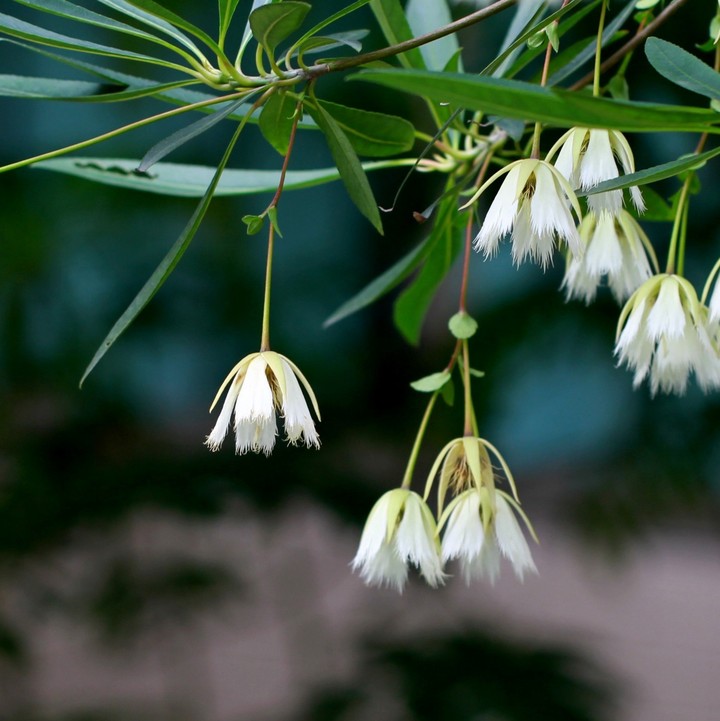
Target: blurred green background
(143, 577)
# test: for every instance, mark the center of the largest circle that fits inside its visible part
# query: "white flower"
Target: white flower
(616, 247)
(478, 533)
(399, 530)
(714, 304)
(666, 334)
(534, 203)
(261, 385)
(589, 157)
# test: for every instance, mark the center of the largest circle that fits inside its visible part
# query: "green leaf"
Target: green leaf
(150, 12)
(396, 29)
(552, 106)
(271, 24)
(430, 384)
(383, 284)
(373, 134)
(448, 393)
(18, 86)
(321, 43)
(588, 52)
(167, 264)
(310, 34)
(26, 31)
(424, 17)
(656, 173)
(226, 10)
(349, 167)
(413, 303)
(189, 181)
(153, 21)
(680, 67)
(182, 136)
(462, 325)
(276, 120)
(254, 223)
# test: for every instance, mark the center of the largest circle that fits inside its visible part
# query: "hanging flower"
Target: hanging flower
(666, 334)
(399, 530)
(589, 157)
(533, 203)
(614, 246)
(481, 527)
(261, 385)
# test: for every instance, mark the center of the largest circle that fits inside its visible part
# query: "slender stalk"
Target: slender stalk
(535, 152)
(265, 336)
(124, 129)
(466, 264)
(410, 468)
(469, 413)
(598, 49)
(683, 239)
(677, 225)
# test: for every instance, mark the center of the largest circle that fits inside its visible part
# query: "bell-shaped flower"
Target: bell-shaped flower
(533, 203)
(664, 333)
(615, 246)
(400, 530)
(480, 527)
(260, 386)
(589, 157)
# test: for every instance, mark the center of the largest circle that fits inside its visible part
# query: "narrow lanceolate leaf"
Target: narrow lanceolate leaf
(18, 86)
(149, 12)
(182, 136)
(167, 264)
(393, 22)
(682, 68)
(656, 173)
(529, 102)
(69, 10)
(226, 9)
(374, 134)
(151, 20)
(26, 31)
(383, 284)
(349, 167)
(424, 17)
(329, 21)
(321, 43)
(588, 52)
(271, 24)
(189, 181)
(276, 120)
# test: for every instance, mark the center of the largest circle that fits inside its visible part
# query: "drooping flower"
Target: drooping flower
(614, 246)
(664, 333)
(589, 157)
(480, 528)
(400, 530)
(534, 203)
(479, 522)
(261, 385)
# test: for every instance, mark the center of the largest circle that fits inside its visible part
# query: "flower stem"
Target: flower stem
(598, 49)
(462, 306)
(265, 336)
(677, 226)
(469, 412)
(407, 478)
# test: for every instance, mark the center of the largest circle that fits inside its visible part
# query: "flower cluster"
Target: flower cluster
(612, 243)
(665, 333)
(480, 524)
(262, 385)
